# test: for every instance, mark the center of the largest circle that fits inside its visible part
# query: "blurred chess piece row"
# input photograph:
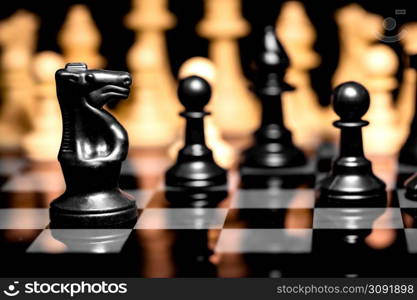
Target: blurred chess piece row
(150, 115)
(29, 114)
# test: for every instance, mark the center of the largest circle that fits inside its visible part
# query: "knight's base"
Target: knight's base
(109, 209)
(326, 198)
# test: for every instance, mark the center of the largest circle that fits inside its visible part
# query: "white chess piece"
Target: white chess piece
(381, 137)
(223, 153)
(80, 39)
(43, 141)
(151, 114)
(145, 117)
(18, 41)
(358, 29)
(302, 111)
(407, 93)
(235, 108)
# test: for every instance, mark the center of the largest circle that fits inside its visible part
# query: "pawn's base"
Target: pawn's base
(271, 156)
(106, 209)
(352, 190)
(196, 175)
(411, 187)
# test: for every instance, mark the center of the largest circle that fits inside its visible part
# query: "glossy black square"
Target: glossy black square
(269, 218)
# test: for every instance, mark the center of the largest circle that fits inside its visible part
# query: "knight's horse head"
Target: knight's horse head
(97, 87)
(91, 135)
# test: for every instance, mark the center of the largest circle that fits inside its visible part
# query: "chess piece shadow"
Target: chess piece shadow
(97, 240)
(189, 198)
(344, 237)
(93, 146)
(193, 259)
(273, 152)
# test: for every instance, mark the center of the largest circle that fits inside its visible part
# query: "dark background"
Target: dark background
(184, 43)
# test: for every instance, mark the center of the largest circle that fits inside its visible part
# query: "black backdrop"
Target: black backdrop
(183, 42)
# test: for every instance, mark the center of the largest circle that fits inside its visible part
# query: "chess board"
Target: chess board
(253, 232)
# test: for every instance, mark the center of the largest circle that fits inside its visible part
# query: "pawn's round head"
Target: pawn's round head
(350, 101)
(194, 93)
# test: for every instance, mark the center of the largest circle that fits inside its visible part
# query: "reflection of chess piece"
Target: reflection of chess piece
(235, 109)
(407, 94)
(223, 153)
(348, 229)
(193, 261)
(151, 117)
(18, 41)
(301, 107)
(80, 39)
(42, 142)
(91, 240)
(381, 136)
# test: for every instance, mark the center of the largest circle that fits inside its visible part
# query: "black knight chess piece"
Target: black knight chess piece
(93, 147)
(273, 151)
(195, 168)
(351, 180)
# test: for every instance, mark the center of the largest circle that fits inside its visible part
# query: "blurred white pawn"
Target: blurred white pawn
(43, 141)
(223, 153)
(381, 137)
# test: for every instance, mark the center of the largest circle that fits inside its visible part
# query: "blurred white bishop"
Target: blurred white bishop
(407, 94)
(302, 111)
(80, 39)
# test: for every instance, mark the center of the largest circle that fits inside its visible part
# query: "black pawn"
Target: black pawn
(273, 147)
(195, 168)
(408, 153)
(351, 180)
